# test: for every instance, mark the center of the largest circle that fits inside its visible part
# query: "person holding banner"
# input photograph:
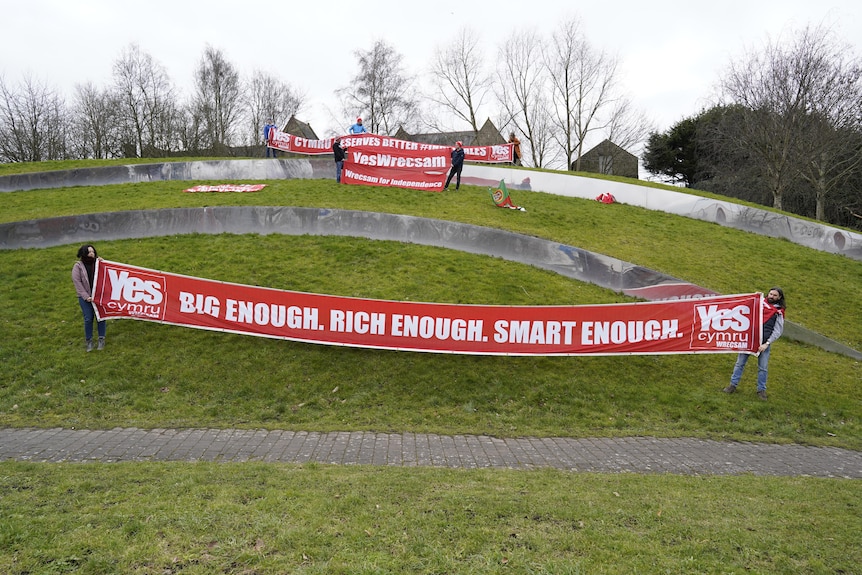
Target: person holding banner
(773, 306)
(339, 154)
(457, 155)
(516, 149)
(83, 273)
(267, 129)
(358, 128)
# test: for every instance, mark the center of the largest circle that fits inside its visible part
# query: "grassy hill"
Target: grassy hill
(501, 396)
(202, 518)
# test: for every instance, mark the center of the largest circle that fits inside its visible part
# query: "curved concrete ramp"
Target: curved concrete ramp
(267, 169)
(764, 222)
(569, 261)
(729, 214)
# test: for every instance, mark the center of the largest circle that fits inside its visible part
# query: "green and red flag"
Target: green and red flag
(501, 197)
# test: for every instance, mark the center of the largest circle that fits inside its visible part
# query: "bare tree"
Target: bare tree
(269, 101)
(523, 82)
(190, 130)
(218, 97)
(582, 82)
(93, 130)
(460, 79)
(32, 122)
(146, 99)
(380, 91)
(830, 144)
(800, 100)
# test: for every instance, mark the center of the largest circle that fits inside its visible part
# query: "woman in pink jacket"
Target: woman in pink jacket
(83, 273)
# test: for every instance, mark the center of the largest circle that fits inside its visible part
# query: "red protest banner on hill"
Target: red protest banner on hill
(298, 145)
(382, 161)
(719, 324)
(500, 153)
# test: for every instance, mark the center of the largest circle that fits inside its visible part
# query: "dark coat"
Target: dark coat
(338, 151)
(457, 157)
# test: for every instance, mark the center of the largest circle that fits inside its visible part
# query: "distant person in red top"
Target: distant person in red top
(773, 326)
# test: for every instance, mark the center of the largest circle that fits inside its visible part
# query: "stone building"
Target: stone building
(610, 159)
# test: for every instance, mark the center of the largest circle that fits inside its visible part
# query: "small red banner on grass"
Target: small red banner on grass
(227, 188)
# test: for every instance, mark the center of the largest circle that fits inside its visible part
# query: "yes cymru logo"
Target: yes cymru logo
(135, 294)
(722, 326)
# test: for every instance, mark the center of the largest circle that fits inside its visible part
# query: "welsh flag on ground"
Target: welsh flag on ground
(502, 199)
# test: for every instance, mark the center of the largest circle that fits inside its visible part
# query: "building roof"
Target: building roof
(607, 148)
(488, 135)
(296, 127)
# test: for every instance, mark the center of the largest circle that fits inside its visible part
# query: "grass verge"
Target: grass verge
(270, 518)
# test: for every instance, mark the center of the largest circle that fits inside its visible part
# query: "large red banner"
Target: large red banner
(375, 160)
(718, 324)
(500, 153)
(383, 161)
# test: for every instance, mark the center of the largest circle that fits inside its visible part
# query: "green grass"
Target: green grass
(721, 259)
(47, 166)
(269, 518)
(272, 518)
(185, 378)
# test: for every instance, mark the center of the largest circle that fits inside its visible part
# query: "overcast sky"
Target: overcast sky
(671, 53)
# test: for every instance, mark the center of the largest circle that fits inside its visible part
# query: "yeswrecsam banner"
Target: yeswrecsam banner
(720, 324)
(375, 160)
(380, 161)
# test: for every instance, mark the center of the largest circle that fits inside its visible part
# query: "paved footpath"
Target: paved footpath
(601, 455)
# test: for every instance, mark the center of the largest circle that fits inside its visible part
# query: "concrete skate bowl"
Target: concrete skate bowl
(764, 222)
(569, 261)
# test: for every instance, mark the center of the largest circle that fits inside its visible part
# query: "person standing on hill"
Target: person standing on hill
(358, 128)
(83, 274)
(267, 128)
(773, 306)
(516, 149)
(457, 155)
(339, 154)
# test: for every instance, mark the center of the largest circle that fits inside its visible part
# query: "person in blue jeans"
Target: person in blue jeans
(267, 128)
(773, 306)
(83, 274)
(339, 154)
